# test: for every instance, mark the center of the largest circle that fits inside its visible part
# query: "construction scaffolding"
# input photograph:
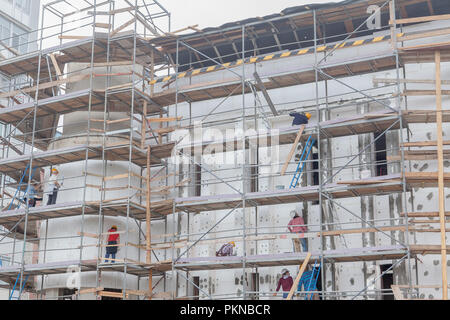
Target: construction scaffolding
(144, 92)
(109, 40)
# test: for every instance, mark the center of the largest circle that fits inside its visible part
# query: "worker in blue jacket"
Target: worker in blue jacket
(300, 118)
(309, 283)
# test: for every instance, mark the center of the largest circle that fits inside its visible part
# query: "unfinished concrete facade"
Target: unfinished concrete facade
(187, 146)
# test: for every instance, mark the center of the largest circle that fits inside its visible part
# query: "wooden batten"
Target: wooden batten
(420, 19)
(291, 153)
(123, 26)
(299, 276)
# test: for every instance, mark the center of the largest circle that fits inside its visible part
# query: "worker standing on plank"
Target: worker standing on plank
(54, 183)
(297, 225)
(226, 250)
(300, 118)
(113, 241)
(286, 282)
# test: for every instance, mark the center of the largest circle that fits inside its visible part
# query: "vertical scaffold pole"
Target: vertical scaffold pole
(440, 153)
(30, 173)
(394, 46)
(322, 269)
(244, 168)
(148, 219)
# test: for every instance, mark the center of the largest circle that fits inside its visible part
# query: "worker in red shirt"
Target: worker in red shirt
(113, 241)
(286, 282)
(297, 225)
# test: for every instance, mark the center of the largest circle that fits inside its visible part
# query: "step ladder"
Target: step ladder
(302, 162)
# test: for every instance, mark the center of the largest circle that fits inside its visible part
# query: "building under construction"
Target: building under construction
(183, 139)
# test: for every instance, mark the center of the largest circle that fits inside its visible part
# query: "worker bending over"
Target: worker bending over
(297, 225)
(226, 250)
(300, 118)
(286, 282)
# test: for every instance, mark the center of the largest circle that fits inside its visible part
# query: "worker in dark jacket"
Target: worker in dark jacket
(286, 282)
(300, 118)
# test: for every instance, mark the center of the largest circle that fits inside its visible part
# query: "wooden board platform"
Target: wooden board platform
(426, 179)
(310, 193)
(291, 259)
(207, 91)
(354, 125)
(10, 218)
(9, 274)
(426, 249)
(14, 165)
(79, 101)
(121, 48)
(357, 188)
(423, 55)
(419, 155)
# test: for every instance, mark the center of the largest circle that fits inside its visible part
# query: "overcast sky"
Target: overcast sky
(213, 13)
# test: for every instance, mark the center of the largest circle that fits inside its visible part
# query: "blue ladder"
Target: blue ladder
(301, 164)
(19, 187)
(21, 289)
(313, 281)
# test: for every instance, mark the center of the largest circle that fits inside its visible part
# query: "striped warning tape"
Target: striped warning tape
(269, 57)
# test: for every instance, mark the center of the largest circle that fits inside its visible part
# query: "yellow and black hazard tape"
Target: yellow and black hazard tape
(269, 57)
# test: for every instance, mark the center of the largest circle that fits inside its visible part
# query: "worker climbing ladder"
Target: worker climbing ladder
(19, 187)
(307, 279)
(302, 162)
(312, 283)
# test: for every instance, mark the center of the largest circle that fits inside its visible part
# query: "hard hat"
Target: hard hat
(308, 115)
(233, 243)
(114, 227)
(293, 213)
(55, 170)
(284, 271)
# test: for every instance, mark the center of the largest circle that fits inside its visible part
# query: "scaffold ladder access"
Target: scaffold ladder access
(302, 162)
(15, 285)
(313, 279)
(27, 191)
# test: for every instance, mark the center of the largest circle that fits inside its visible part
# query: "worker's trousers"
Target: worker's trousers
(296, 242)
(112, 255)
(52, 197)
